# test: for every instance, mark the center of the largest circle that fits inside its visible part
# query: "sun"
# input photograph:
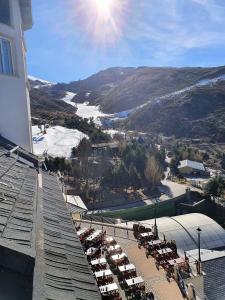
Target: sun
(102, 20)
(104, 7)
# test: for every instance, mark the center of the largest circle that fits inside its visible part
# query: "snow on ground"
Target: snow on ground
(90, 111)
(113, 132)
(58, 141)
(68, 98)
(84, 110)
(43, 82)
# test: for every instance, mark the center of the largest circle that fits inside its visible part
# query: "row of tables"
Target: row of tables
(117, 260)
(161, 250)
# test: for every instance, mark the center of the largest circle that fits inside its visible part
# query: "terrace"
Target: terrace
(122, 265)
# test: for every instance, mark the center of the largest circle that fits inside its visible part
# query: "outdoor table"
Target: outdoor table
(155, 242)
(91, 251)
(164, 251)
(134, 281)
(176, 261)
(108, 288)
(94, 235)
(109, 240)
(100, 261)
(104, 273)
(146, 234)
(127, 268)
(118, 256)
(82, 231)
(113, 248)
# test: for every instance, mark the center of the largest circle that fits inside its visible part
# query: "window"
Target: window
(5, 12)
(6, 65)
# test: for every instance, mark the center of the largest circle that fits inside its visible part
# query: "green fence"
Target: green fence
(147, 212)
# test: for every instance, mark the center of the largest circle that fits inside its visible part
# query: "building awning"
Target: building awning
(26, 14)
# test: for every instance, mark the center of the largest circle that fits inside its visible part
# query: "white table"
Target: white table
(104, 273)
(112, 248)
(100, 261)
(94, 235)
(82, 231)
(91, 251)
(134, 281)
(164, 251)
(126, 268)
(155, 242)
(176, 261)
(108, 288)
(110, 239)
(116, 257)
(146, 234)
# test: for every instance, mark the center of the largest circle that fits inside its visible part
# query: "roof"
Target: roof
(182, 229)
(65, 270)
(191, 164)
(75, 204)
(36, 230)
(26, 13)
(213, 266)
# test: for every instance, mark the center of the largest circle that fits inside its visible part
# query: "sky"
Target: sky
(73, 39)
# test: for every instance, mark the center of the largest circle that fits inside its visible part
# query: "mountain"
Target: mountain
(171, 101)
(119, 89)
(46, 107)
(195, 113)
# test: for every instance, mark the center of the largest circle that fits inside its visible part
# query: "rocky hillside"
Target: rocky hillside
(195, 113)
(172, 101)
(46, 107)
(119, 89)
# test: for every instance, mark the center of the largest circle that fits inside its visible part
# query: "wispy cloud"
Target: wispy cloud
(154, 32)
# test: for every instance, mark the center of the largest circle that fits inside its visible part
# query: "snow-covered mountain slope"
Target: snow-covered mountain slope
(58, 141)
(201, 83)
(38, 82)
(84, 110)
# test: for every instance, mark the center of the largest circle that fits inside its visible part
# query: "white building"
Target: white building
(189, 167)
(15, 117)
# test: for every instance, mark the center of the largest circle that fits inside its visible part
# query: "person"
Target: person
(150, 296)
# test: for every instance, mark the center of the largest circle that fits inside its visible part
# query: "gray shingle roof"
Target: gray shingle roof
(67, 273)
(35, 221)
(214, 281)
(191, 164)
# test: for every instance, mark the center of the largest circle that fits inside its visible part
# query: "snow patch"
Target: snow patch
(43, 82)
(58, 141)
(68, 98)
(113, 132)
(84, 110)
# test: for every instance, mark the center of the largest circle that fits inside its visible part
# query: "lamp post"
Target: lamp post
(199, 249)
(155, 226)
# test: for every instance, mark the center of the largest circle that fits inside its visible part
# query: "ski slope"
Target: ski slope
(84, 110)
(58, 141)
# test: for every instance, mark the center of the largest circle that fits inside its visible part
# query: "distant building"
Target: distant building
(189, 167)
(75, 204)
(15, 118)
(99, 149)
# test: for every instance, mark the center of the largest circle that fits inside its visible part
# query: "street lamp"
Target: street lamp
(155, 226)
(199, 249)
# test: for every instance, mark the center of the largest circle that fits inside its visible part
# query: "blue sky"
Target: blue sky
(70, 40)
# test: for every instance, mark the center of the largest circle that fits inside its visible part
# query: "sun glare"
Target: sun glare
(103, 19)
(104, 6)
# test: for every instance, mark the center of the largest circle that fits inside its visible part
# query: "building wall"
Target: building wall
(15, 117)
(186, 170)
